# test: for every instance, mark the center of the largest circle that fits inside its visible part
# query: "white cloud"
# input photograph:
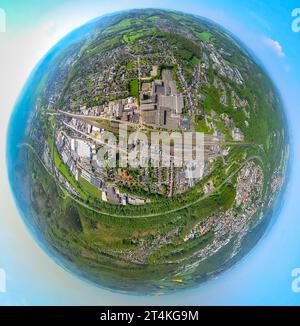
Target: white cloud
(275, 46)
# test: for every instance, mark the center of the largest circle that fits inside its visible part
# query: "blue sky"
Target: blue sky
(264, 276)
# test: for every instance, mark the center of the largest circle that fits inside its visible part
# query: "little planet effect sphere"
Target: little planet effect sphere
(147, 228)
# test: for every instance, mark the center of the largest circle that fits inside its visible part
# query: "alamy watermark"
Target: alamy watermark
(296, 20)
(153, 149)
(2, 281)
(2, 21)
(296, 280)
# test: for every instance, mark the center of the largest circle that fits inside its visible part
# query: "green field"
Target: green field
(132, 38)
(89, 188)
(134, 88)
(204, 36)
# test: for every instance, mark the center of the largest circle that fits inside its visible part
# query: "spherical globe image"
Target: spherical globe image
(148, 151)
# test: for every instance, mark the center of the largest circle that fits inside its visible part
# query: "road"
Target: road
(93, 117)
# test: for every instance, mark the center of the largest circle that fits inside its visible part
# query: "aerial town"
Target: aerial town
(155, 145)
(144, 93)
